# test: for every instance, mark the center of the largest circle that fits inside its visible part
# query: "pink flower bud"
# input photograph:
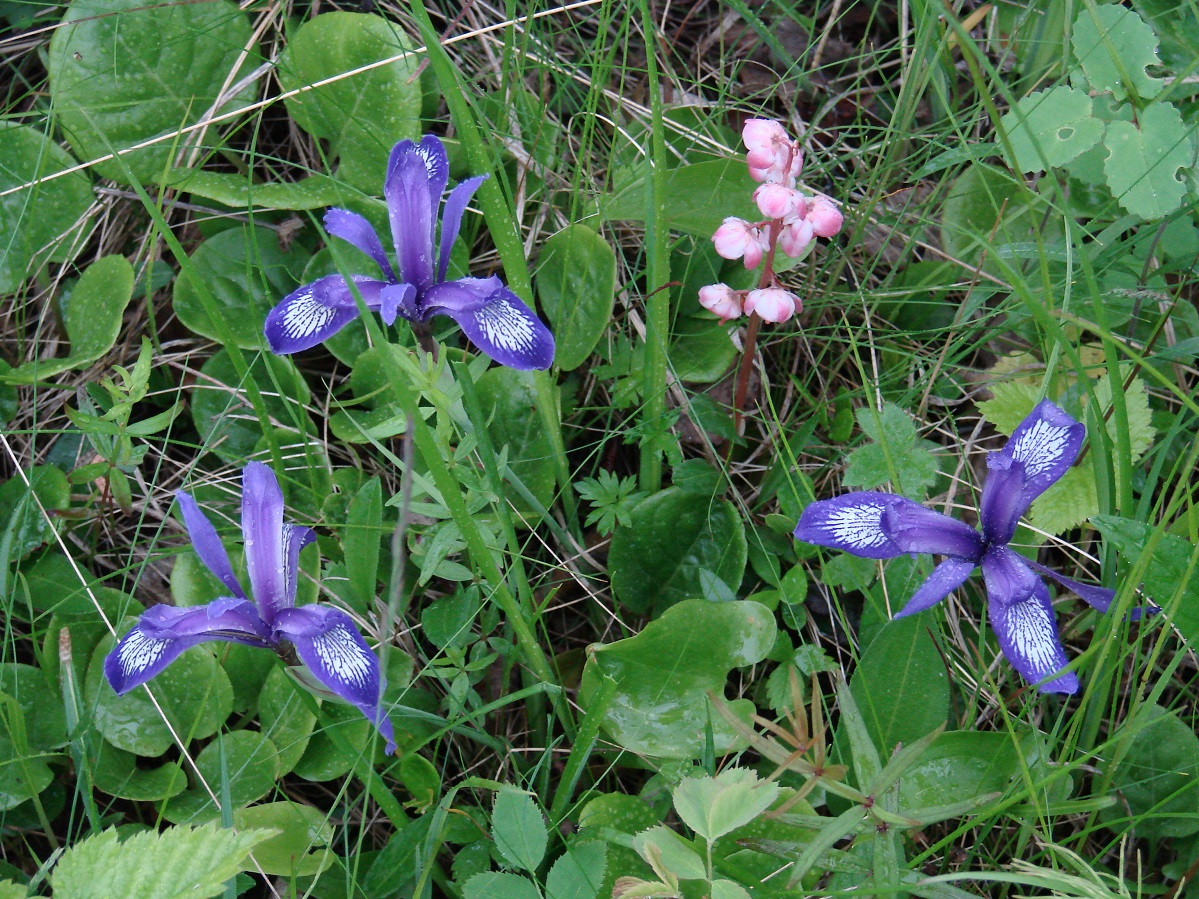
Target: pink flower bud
(758, 133)
(795, 237)
(734, 237)
(777, 201)
(773, 304)
(826, 218)
(721, 300)
(755, 250)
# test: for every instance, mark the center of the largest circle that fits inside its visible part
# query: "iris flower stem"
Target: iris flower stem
(657, 255)
(502, 226)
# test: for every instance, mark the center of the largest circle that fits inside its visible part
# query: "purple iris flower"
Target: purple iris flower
(883, 526)
(492, 316)
(324, 638)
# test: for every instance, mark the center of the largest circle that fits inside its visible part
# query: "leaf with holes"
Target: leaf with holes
(1050, 127)
(1114, 46)
(1143, 162)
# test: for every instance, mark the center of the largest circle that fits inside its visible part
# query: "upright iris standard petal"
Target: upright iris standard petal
(495, 320)
(315, 312)
(356, 230)
(329, 644)
(946, 578)
(207, 544)
(451, 220)
(1002, 501)
(262, 527)
(295, 538)
(165, 632)
(882, 526)
(412, 209)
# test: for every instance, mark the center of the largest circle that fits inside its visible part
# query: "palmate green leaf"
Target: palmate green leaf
(895, 453)
(180, 862)
(576, 286)
(1054, 125)
(247, 272)
(1144, 159)
(678, 546)
(35, 217)
(92, 316)
(1114, 46)
(122, 72)
(663, 676)
(518, 829)
(364, 114)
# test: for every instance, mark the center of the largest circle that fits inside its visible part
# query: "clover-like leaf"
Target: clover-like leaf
(714, 806)
(1050, 127)
(1114, 46)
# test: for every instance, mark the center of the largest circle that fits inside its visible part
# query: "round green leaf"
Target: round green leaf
(509, 402)
(45, 721)
(664, 674)
(1157, 776)
(576, 284)
(701, 350)
(1144, 159)
(193, 691)
(122, 72)
(1114, 46)
(322, 759)
(361, 115)
(116, 772)
(243, 762)
(1056, 125)
(221, 409)
(284, 716)
(25, 774)
(246, 272)
(296, 850)
(678, 546)
(37, 216)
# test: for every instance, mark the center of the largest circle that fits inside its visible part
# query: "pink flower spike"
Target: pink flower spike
(761, 133)
(773, 304)
(734, 238)
(721, 300)
(795, 237)
(777, 201)
(825, 217)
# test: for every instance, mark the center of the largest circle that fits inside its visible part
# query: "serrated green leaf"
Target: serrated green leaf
(1143, 162)
(677, 854)
(1114, 46)
(180, 862)
(1052, 126)
(578, 873)
(895, 455)
(500, 885)
(1068, 503)
(715, 806)
(576, 284)
(361, 115)
(35, 217)
(518, 829)
(1010, 403)
(122, 72)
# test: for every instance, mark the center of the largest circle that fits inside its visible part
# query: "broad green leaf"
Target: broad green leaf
(619, 811)
(1144, 159)
(1157, 777)
(518, 829)
(678, 855)
(45, 727)
(194, 692)
(509, 400)
(240, 192)
(698, 197)
(500, 885)
(900, 684)
(1177, 25)
(25, 772)
(221, 408)
(179, 862)
(986, 208)
(21, 520)
(323, 760)
(447, 621)
(578, 873)
(360, 543)
(300, 846)
(116, 772)
(361, 115)
(663, 676)
(246, 272)
(284, 716)
(1114, 46)
(122, 72)
(714, 806)
(576, 285)
(34, 218)
(1052, 126)
(11, 890)
(678, 547)
(421, 779)
(1171, 570)
(959, 765)
(700, 350)
(92, 316)
(244, 762)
